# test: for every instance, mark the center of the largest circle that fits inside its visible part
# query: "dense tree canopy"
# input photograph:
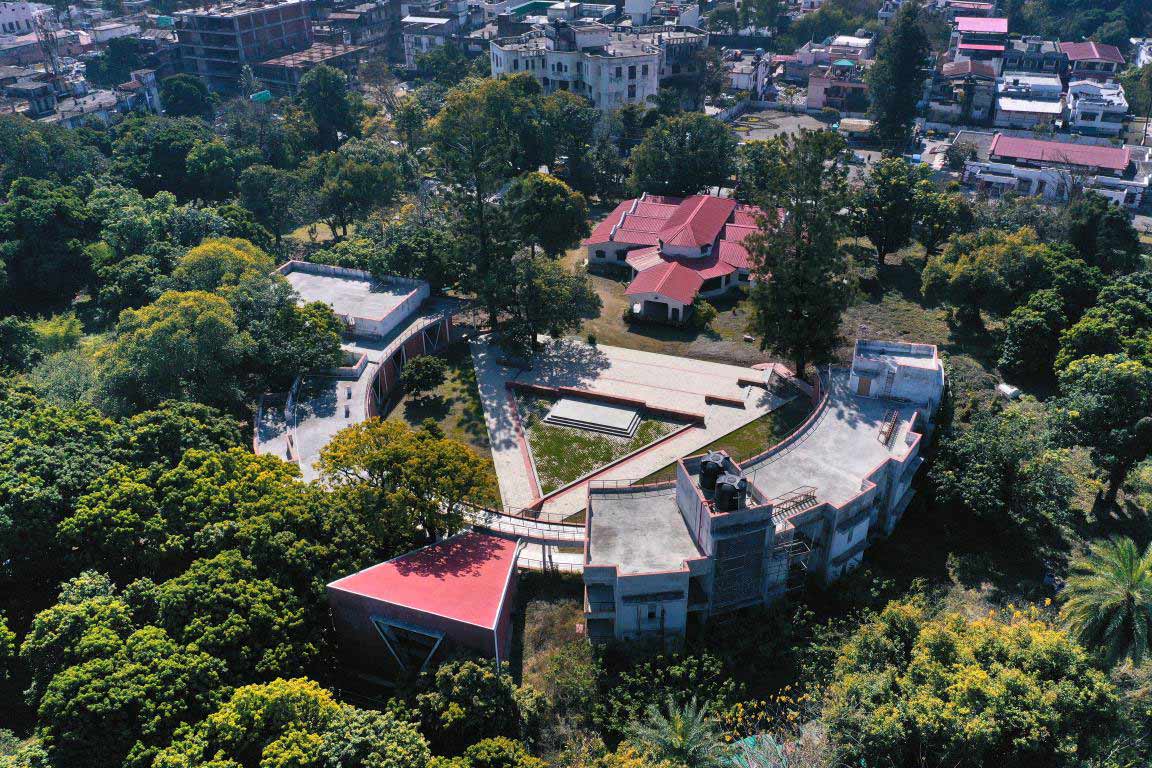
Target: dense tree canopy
(683, 155)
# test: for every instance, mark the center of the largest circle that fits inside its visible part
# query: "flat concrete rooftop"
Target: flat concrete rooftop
(353, 297)
(638, 532)
(838, 450)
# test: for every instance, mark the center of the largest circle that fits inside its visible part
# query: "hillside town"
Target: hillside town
(559, 384)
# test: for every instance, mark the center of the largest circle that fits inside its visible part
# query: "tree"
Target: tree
(423, 374)
(546, 212)
(223, 606)
(219, 264)
(939, 215)
(42, 228)
(1009, 690)
(212, 170)
(343, 189)
(120, 708)
(1108, 599)
(802, 285)
(184, 96)
(185, 345)
(1105, 402)
(1119, 323)
(887, 210)
(501, 752)
(680, 733)
(151, 153)
(464, 702)
(335, 111)
(47, 151)
(272, 196)
(1032, 336)
(408, 118)
(409, 483)
(683, 155)
(1102, 233)
(295, 723)
(115, 64)
(896, 78)
(545, 297)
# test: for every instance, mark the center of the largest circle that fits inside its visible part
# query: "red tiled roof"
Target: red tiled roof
(602, 233)
(463, 578)
(1091, 51)
(981, 24)
(734, 254)
(643, 258)
(968, 67)
(698, 221)
(1036, 150)
(736, 233)
(638, 223)
(662, 211)
(671, 279)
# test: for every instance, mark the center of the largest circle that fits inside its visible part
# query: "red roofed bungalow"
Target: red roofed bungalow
(675, 249)
(394, 617)
(1092, 60)
(1040, 152)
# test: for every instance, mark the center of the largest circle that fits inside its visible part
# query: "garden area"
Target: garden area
(563, 454)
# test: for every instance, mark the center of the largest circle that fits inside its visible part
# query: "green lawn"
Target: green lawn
(563, 454)
(455, 406)
(751, 439)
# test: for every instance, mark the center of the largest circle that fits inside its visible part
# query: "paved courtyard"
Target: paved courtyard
(724, 396)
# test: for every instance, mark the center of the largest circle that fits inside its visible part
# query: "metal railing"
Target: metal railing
(535, 564)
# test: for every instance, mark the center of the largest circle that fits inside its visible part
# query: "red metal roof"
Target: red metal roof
(1036, 150)
(1091, 51)
(463, 578)
(602, 233)
(969, 67)
(698, 221)
(980, 47)
(735, 254)
(671, 279)
(981, 24)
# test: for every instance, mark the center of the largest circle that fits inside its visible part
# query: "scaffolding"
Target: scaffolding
(788, 565)
(796, 500)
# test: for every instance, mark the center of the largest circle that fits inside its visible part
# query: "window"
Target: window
(600, 254)
(515, 64)
(632, 72)
(619, 71)
(644, 70)
(631, 91)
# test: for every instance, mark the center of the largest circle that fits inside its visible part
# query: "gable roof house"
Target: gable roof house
(675, 249)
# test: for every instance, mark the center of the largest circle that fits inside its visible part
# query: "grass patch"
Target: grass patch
(751, 439)
(563, 454)
(455, 406)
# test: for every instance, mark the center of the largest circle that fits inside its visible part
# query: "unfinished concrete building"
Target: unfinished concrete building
(728, 535)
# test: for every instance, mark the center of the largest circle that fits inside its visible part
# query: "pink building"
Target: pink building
(675, 249)
(840, 85)
(393, 618)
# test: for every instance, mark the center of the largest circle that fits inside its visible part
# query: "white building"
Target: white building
(1052, 170)
(726, 535)
(1028, 101)
(1095, 107)
(1141, 51)
(17, 18)
(610, 68)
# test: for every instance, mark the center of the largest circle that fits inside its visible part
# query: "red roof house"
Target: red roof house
(393, 617)
(1092, 60)
(676, 248)
(1088, 156)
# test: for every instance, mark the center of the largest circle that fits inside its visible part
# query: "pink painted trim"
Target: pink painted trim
(522, 443)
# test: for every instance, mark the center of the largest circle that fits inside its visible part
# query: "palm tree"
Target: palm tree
(1109, 599)
(683, 735)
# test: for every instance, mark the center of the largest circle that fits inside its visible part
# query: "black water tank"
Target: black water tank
(729, 492)
(711, 467)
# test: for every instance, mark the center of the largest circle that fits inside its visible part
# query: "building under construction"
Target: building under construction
(217, 43)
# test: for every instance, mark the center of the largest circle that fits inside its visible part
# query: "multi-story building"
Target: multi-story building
(282, 74)
(1095, 107)
(1054, 170)
(963, 92)
(977, 37)
(1029, 101)
(840, 85)
(609, 67)
(1034, 55)
(218, 42)
(726, 535)
(373, 25)
(1092, 61)
(17, 18)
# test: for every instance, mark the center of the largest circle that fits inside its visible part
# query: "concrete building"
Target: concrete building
(726, 535)
(840, 85)
(978, 37)
(674, 249)
(1054, 169)
(102, 33)
(1092, 61)
(397, 617)
(1028, 102)
(750, 72)
(609, 67)
(963, 92)
(1096, 108)
(373, 25)
(282, 74)
(1033, 55)
(17, 18)
(218, 42)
